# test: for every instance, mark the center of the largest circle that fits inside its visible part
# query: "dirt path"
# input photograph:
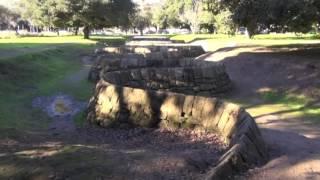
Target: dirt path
(62, 108)
(82, 74)
(294, 142)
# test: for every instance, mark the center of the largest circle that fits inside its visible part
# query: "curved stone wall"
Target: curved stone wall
(116, 106)
(185, 75)
(136, 90)
(189, 80)
(135, 61)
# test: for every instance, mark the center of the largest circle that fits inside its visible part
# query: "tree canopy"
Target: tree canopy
(222, 16)
(75, 13)
(256, 15)
(8, 18)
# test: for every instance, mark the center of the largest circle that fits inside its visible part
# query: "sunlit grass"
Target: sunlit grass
(286, 105)
(58, 40)
(287, 36)
(25, 45)
(262, 40)
(47, 40)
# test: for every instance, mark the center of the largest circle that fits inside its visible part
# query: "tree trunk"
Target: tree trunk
(86, 32)
(251, 29)
(141, 32)
(76, 31)
(156, 27)
(250, 34)
(17, 30)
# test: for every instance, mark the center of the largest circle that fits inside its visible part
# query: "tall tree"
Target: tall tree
(8, 19)
(291, 15)
(248, 13)
(190, 12)
(142, 18)
(88, 14)
(224, 23)
(30, 11)
(51, 15)
(99, 13)
(159, 19)
(171, 12)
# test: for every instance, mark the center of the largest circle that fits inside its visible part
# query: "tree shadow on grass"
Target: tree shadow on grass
(305, 107)
(95, 154)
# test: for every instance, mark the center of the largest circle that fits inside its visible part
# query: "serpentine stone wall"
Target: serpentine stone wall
(133, 90)
(130, 57)
(184, 75)
(189, 80)
(117, 106)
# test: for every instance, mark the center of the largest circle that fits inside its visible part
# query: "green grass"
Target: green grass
(295, 105)
(213, 42)
(25, 77)
(40, 72)
(61, 40)
(80, 119)
(285, 105)
(284, 37)
(25, 45)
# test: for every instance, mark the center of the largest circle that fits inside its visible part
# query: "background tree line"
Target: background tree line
(88, 14)
(224, 16)
(7, 18)
(219, 16)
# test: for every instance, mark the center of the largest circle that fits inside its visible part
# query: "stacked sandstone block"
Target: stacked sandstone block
(189, 80)
(179, 74)
(116, 106)
(152, 87)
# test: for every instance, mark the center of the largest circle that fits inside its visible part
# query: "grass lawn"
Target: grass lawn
(36, 66)
(214, 42)
(284, 105)
(263, 37)
(26, 45)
